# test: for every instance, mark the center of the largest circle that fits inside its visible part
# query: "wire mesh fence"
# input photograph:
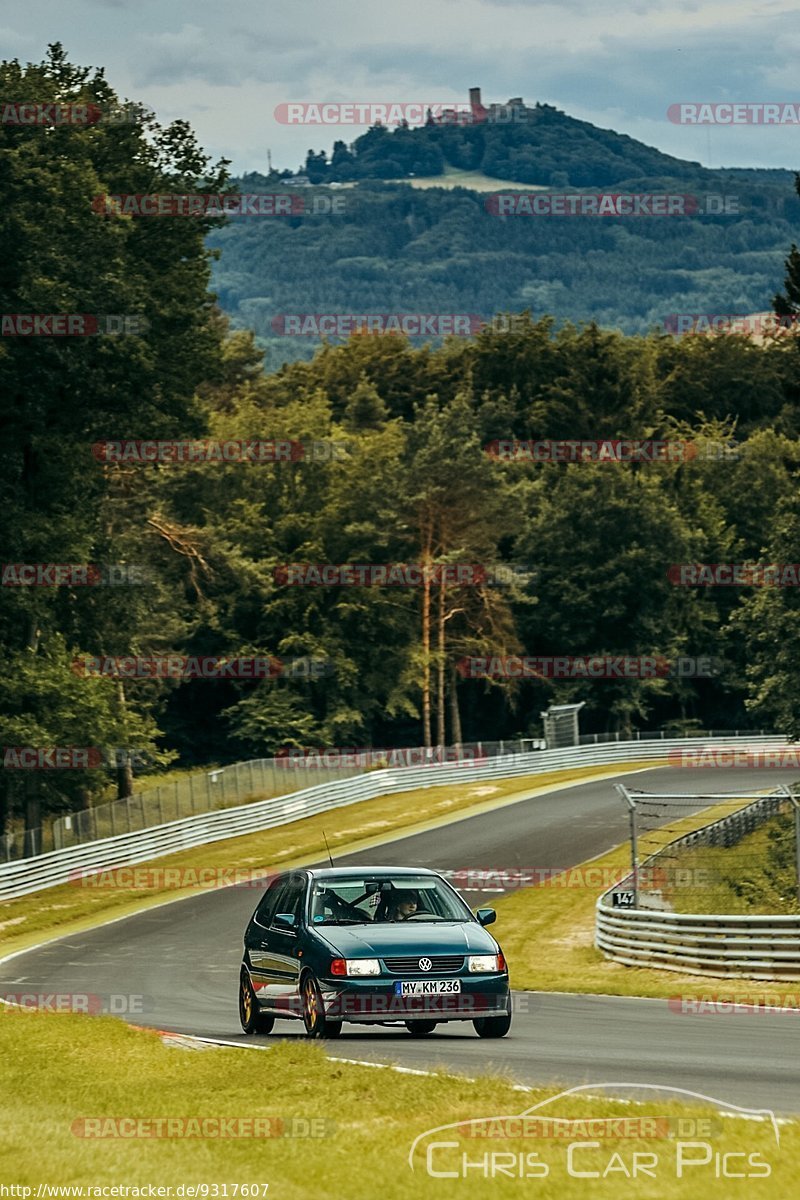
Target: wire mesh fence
(225, 787)
(184, 796)
(695, 853)
(207, 791)
(597, 739)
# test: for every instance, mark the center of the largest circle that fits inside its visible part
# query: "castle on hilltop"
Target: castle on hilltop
(494, 110)
(500, 114)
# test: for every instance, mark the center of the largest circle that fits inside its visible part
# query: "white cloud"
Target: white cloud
(619, 65)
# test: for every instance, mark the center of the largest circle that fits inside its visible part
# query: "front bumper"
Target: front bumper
(373, 1000)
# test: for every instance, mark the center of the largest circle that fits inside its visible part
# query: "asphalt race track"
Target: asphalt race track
(183, 960)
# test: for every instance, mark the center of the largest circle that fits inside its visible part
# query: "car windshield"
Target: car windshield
(384, 899)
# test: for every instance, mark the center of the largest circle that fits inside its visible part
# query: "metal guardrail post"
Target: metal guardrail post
(787, 791)
(631, 803)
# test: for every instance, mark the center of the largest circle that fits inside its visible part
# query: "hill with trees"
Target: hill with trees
(396, 247)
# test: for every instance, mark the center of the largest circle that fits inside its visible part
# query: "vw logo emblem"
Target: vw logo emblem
(425, 964)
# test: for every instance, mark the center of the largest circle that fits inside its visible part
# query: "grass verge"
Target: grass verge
(61, 1069)
(758, 875)
(76, 906)
(547, 933)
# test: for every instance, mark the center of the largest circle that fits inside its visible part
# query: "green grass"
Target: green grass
(58, 1069)
(757, 875)
(73, 906)
(452, 177)
(475, 180)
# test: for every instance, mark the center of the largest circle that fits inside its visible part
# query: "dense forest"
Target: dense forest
(394, 466)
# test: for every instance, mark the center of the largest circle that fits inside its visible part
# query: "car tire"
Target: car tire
(493, 1027)
(251, 1020)
(317, 1026)
(420, 1028)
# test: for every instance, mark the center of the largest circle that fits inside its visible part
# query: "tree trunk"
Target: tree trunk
(124, 769)
(124, 777)
(33, 818)
(441, 732)
(4, 782)
(426, 651)
(455, 715)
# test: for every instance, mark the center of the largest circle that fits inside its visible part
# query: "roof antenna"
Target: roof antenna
(327, 847)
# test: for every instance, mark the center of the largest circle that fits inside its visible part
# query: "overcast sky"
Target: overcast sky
(225, 68)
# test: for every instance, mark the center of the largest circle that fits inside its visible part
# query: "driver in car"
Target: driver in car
(404, 904)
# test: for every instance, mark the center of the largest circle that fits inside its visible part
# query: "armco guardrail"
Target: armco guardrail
(717, 945)
(764, 947)
(156, 803)
(46, 870)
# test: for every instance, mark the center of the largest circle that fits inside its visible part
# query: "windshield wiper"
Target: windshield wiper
(343, 921)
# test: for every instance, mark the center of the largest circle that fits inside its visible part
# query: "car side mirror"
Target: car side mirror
(284, 920)
(486, 916)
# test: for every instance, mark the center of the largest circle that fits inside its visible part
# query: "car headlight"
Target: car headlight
(485, 962)
(363, 966)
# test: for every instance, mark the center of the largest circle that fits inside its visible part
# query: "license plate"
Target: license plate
(427, 987)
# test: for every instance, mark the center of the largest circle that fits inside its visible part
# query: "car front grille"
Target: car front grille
(409, 964)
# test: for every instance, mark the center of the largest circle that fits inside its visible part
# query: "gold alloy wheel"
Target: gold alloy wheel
(311, 1004)
(247, 1000)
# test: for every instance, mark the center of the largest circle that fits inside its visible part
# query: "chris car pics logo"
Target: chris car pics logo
(651, 1139)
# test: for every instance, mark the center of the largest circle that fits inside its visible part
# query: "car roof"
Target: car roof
(362, 872)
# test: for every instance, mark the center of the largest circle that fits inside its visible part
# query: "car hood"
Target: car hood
(364, 941)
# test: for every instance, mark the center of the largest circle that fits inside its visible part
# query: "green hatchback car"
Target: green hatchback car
(375, 945)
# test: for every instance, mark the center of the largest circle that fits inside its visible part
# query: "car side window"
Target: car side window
(291, 900)
(268, 906)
